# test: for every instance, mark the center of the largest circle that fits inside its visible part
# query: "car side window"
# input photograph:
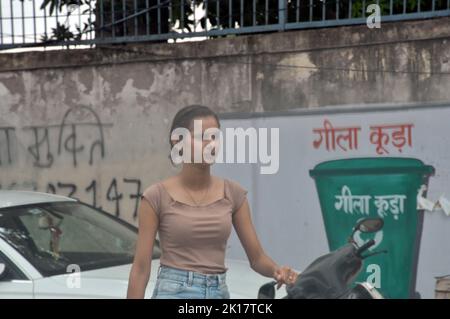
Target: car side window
(8, 271)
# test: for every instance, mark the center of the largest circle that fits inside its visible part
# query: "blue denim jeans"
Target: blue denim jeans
(175, 283)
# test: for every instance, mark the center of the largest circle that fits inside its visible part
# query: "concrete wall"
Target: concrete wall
(286, 209)
(94, 123)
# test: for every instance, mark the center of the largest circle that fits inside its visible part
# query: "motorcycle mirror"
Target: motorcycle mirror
(267, 291)
(369, 225)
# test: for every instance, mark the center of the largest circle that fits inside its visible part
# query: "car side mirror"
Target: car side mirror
(3, 271)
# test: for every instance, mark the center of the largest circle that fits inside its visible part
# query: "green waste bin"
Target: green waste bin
(387, 187)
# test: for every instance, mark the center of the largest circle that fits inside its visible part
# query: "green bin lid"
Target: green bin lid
(371, 165)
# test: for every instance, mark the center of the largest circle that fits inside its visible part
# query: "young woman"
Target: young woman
(193, 212)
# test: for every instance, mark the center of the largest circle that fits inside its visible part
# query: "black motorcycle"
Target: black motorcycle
(332, 276)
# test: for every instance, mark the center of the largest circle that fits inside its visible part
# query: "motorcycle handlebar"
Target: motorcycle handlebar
(364, 247)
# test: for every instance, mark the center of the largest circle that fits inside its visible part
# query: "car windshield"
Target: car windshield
(52, 236)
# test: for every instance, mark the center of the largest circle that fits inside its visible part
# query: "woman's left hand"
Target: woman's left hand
(285, 275)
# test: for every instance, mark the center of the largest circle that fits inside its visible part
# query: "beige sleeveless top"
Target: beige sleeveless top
(195, 237)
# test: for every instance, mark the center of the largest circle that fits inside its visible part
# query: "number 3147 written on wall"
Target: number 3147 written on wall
(383, 137)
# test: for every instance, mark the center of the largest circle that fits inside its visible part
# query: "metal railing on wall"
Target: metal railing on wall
(40, 23)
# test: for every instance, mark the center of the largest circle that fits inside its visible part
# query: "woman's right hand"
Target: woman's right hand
(285, 275)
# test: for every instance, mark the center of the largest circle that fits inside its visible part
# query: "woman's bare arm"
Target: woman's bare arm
(245, 230)
(140, 271)
(259, 261)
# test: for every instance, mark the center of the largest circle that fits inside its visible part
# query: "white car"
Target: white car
(57, 247)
